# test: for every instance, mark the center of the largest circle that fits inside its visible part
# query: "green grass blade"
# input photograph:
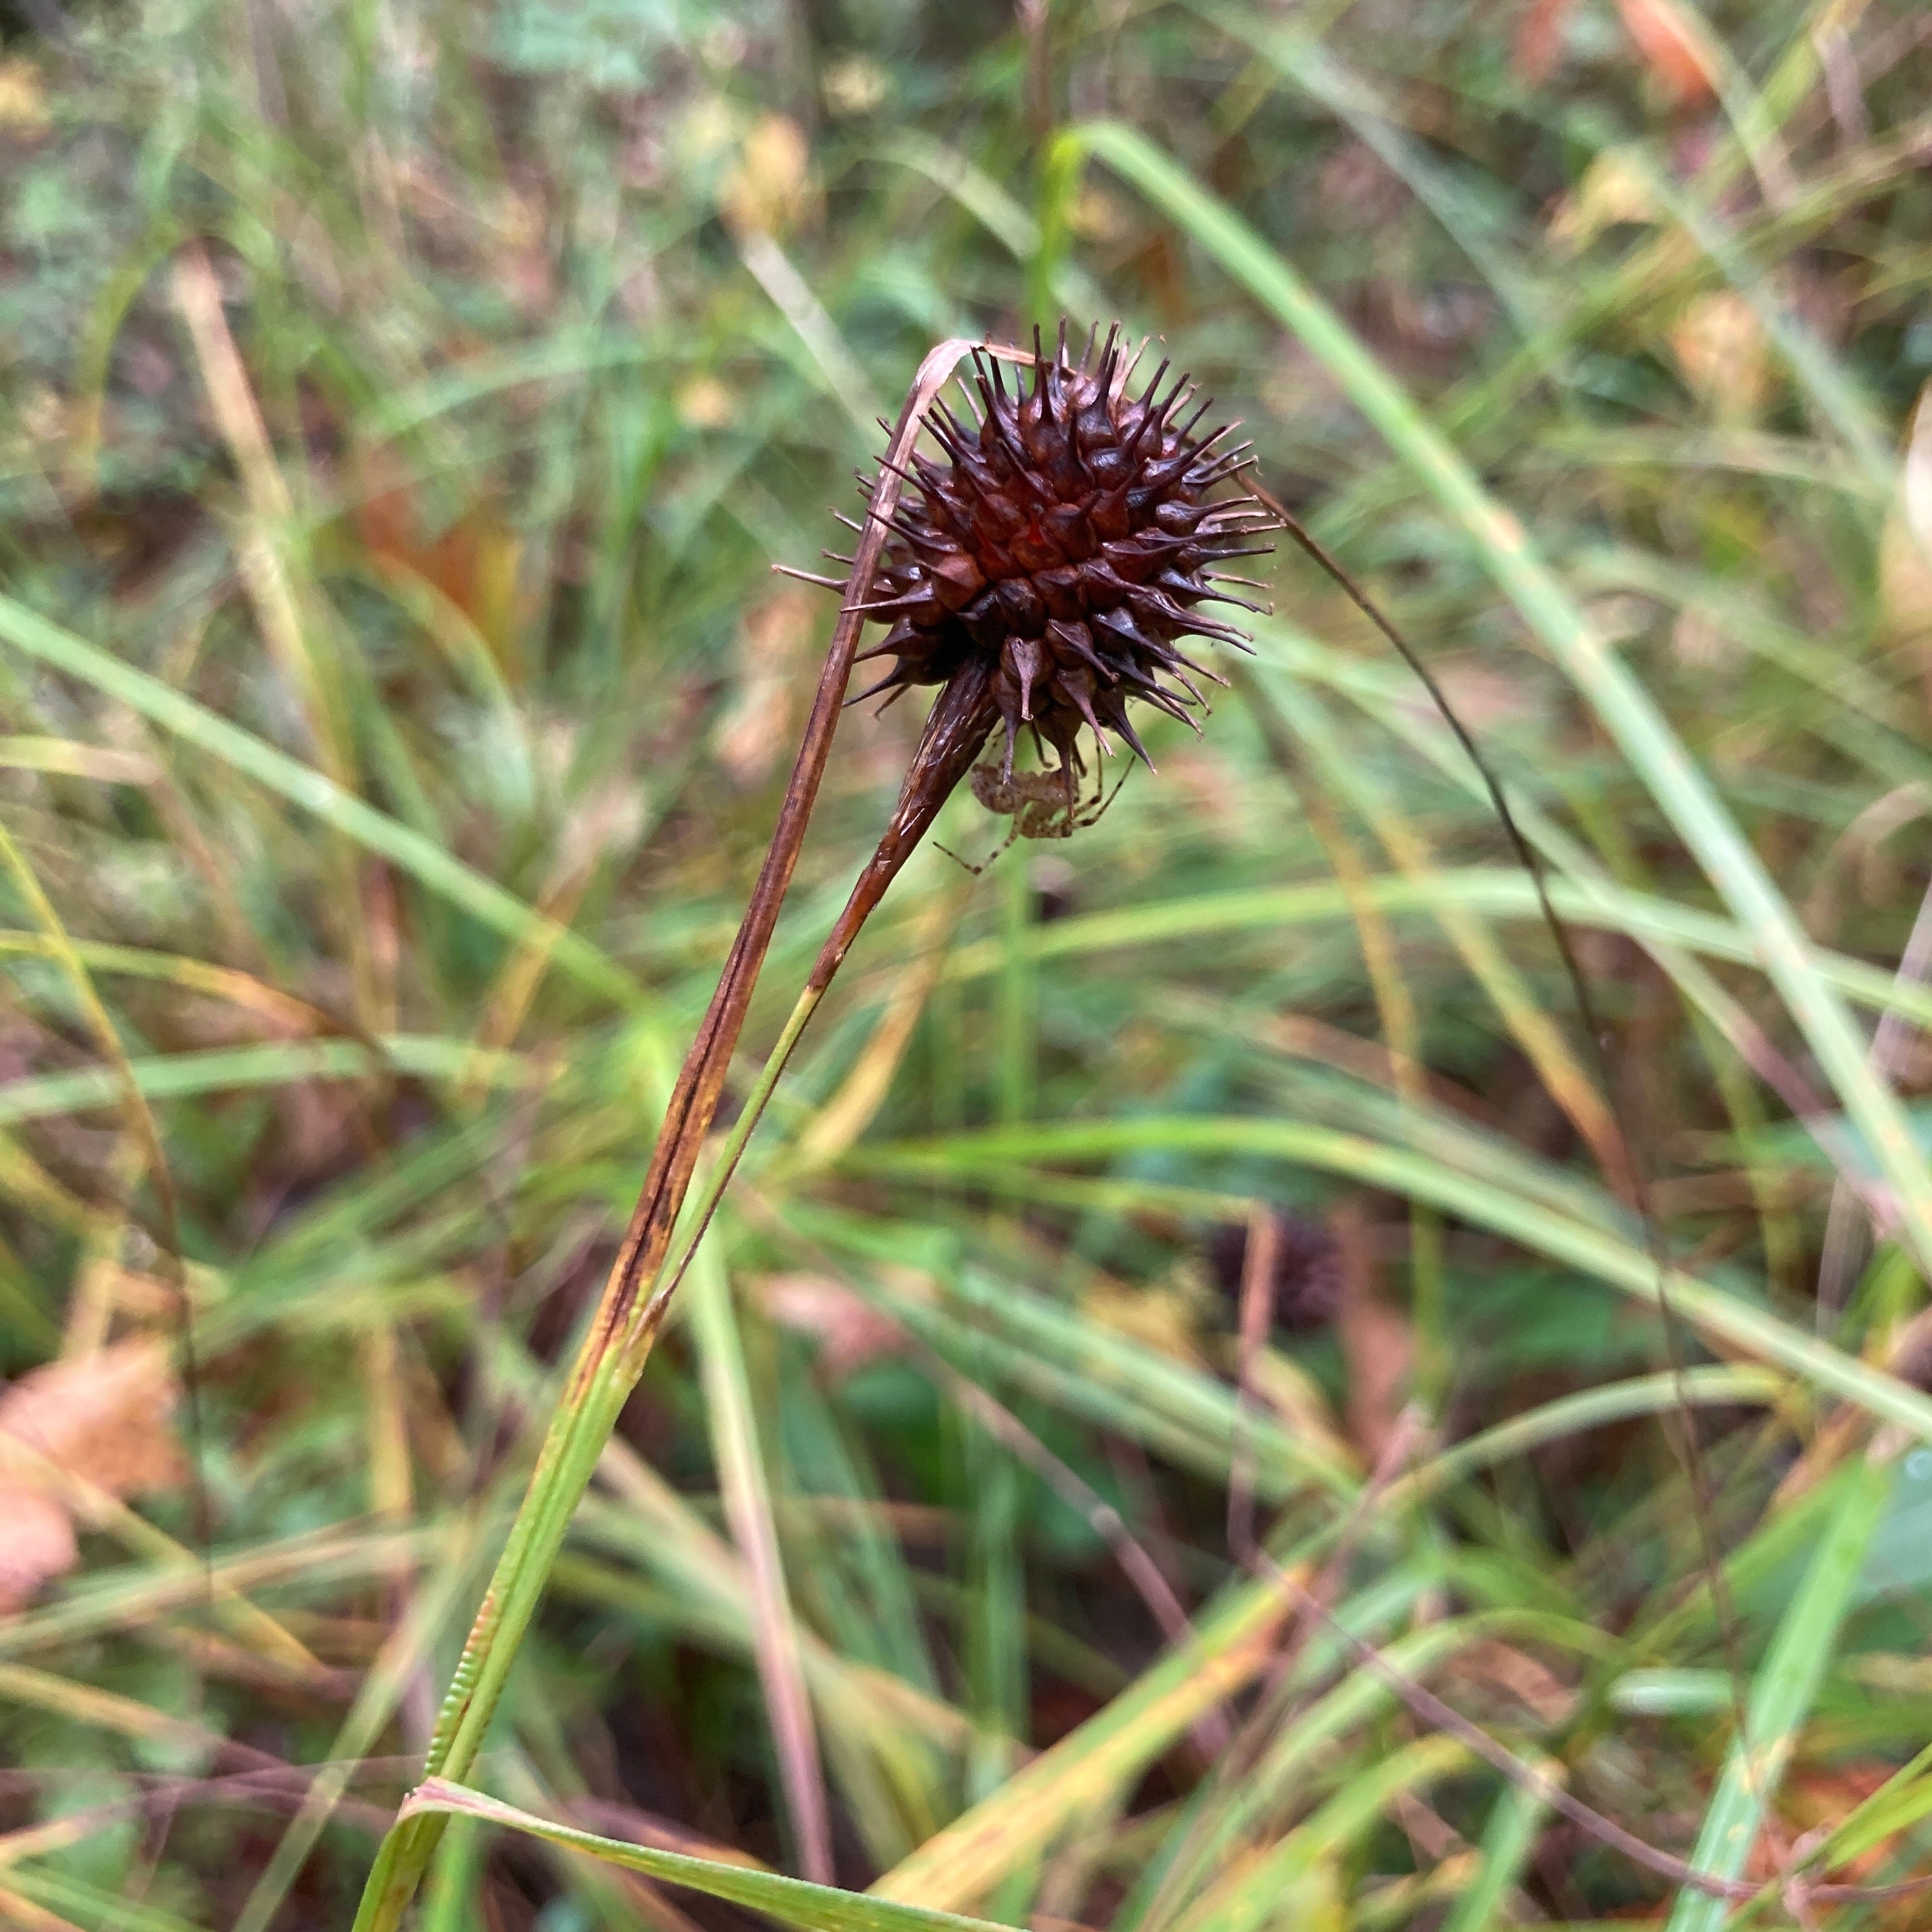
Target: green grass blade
(745, 1485)
(1629, 713)
(1018, 1821)
(791, 1901)
(177, 1076)
(404, 1652)
(80, 1904)
(313, 792)
(1507, 1842)
(1714, 1386)
(451, 1898)
(1243, 1899)
(1497, 891)
(1896, 1805)
(1012, 1154)
(1782, 1694)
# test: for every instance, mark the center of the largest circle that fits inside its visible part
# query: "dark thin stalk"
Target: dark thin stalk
(1632, 1180)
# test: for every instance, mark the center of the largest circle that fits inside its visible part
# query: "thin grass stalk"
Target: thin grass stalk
(642, 1277)
(745, 1487)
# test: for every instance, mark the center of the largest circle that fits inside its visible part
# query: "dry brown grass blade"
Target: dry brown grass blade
(693, 1101)
(847, 1114)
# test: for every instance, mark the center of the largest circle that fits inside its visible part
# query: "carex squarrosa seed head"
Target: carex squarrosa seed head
(1064, 547)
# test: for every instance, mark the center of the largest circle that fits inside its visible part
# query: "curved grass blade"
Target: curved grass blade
(791, 1901)
(1783, 1692)
(1011, 1153)
(196, 976)
(1627, 710)
(177, 1076)
(319, 795)
(1499, 891)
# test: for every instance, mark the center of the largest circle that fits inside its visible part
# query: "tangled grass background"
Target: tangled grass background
(1172, 1427)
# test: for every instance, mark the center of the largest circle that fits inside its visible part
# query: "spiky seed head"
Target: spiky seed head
(1306, 1289)
(1065, 545)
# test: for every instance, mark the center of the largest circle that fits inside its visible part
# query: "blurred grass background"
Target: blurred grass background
(401, 407)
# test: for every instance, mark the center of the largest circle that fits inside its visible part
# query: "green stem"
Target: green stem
(673, 1270)
(604, 1376)
(570, 1451)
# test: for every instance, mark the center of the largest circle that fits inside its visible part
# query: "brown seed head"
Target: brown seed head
(1064, 546)
(1306, 1289)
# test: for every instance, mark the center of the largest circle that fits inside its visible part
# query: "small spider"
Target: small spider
(1042, 805)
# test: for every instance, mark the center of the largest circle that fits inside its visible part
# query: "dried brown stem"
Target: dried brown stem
(693, 1101)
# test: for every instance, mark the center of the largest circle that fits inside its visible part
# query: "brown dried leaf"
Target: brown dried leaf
(101, 1418)
(36, 1544)
(1676, 48)
(1500, 1666)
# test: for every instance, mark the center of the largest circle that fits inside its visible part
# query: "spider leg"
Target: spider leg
(1100, 808)
(963, 865)
(985, 863)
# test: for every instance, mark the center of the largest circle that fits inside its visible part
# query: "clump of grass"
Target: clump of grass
(400, 422)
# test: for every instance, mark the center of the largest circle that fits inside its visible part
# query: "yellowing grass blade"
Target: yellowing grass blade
(1503, 547)
(791, 1901)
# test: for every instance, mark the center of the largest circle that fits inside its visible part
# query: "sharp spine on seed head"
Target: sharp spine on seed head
(1063, 546)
